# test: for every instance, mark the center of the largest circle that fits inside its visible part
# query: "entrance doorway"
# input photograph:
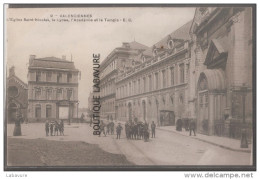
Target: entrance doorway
(12, 112)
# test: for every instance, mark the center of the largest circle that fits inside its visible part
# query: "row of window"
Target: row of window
(107, 107)
(107, 89)
(108, 69)
(49, 94)
(38, 111)
(152, 82)
(49, 76)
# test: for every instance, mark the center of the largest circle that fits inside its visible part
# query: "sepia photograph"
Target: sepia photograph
(129, 87)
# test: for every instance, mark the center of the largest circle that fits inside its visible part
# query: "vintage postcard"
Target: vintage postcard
(129, 87)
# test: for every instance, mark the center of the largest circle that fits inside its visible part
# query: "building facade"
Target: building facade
(157, 87)
(119, 59)
(52, 89)
(17, 96)
(223, 64)
(201, 71)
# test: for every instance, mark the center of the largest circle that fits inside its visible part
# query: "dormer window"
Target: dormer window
(143, 59)
(155, 52)
(170, 44)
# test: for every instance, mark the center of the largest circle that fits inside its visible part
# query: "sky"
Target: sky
(80, 40)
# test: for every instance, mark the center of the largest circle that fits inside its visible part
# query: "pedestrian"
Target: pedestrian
(153, 126)
(146, 132)
(51, 128)
(112, 127)
(118, 131)
(192, 126)
(61, 127)
(56, 128)
(82, 118)
(47, 125)
(17, 126)
(102, 128)
(108, 128)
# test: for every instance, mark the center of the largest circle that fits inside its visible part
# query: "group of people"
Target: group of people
(54, 128)
(133, 129)
(110, 128)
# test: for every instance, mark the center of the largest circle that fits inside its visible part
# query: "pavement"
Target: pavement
(224, 142)
(168, 148)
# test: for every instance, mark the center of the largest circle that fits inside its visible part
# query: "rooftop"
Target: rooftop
(52, 62)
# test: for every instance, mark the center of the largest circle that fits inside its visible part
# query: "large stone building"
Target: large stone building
(117, 60)
(52, 89)
(16, 96)
(203, 70)
(223, 69)
(156, 87)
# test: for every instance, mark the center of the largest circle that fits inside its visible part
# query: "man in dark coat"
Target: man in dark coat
(47, 130)
(56, 128)
(82, 118)
(112, 126)
(192, 126)
(153, 126)
(102, 128)
(118, 131)
(61, 127)
(51, 128)
(17, 127)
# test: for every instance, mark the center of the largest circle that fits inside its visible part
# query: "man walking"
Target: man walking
(192, 126)
(118, 131)
(153, 126)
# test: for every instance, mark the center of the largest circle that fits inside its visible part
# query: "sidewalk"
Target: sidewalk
(224, 142)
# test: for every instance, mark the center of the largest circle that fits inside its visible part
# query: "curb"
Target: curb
(206, 141)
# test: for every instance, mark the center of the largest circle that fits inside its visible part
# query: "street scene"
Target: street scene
(167, 148)
(124, 88)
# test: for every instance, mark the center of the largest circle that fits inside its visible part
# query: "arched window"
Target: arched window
(181, 99)
(172, 100)
(170, 44)
(155, 52)
(38, 111)
(143, 59)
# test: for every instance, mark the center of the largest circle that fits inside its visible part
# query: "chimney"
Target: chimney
(11, 71)
(32, 57)
(126, 45)
(63, 57)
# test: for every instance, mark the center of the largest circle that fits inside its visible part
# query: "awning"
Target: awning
(215, 79)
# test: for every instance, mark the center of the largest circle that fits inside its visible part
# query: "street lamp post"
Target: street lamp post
(78, 110)
(243, 90)
(244, 142)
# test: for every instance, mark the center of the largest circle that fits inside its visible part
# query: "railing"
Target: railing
(219, 128)
(232, 128)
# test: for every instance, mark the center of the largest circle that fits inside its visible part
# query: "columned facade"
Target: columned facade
(52, 89)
